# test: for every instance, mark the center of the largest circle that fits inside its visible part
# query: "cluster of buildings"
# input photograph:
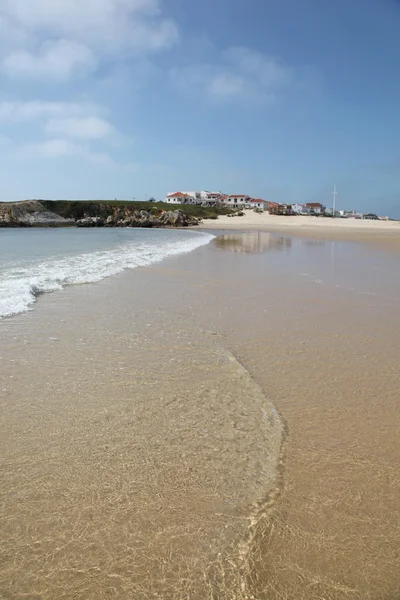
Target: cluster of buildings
(204, 198)
(315, 208)
(243, 201)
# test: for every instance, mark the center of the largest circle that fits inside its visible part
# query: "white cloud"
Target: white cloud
(225, 84)
(52, 148)
(18, 112)
(61, 148)
(240, 76)
(268, 71)
(80, 127)
(84, 18)
(57, 38)
(53, 60)
(61, 129)
(100, 158)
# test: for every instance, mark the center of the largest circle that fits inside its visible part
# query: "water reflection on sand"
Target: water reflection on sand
(253, 242)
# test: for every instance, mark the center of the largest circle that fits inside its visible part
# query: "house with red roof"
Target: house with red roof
(204, 198)
(180, 198)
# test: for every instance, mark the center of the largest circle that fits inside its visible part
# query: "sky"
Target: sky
(139, 98)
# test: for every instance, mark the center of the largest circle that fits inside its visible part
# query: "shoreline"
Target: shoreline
(381, 233)
(97, 254)
(140, 417)
(134, 372)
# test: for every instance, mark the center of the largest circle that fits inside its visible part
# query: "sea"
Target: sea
(37, 261)
(222, 423)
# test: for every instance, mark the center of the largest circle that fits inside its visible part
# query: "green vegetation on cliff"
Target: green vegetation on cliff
(78, 209)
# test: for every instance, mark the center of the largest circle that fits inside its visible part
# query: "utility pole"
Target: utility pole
(334, 194)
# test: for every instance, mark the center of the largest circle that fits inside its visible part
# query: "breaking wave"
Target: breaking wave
(21, 284)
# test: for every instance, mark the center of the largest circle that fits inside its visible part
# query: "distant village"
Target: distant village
(245, 202)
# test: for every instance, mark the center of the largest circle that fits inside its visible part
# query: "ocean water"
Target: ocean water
(141, 447)
(36, 261)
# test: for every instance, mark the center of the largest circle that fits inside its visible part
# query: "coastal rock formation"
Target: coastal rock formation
(140, 218)
(90, 222)
(29, 213)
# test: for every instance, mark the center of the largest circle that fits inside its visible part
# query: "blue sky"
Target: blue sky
(128, 98)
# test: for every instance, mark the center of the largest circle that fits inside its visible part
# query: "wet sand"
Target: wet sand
(136, 451)
(142, 456)
(380, 233)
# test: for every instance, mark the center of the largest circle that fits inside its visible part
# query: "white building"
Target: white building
(198, 196)
(213, 196)
(300, 209)
(257, 203)
(180, 198)
(193, 197)
(315, 208)
(235, 200)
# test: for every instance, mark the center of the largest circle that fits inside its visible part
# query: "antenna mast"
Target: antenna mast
(334, 194)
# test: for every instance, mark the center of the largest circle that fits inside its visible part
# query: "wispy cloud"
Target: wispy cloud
(51, 148)
(19, 112)
(61, 148)
(55, 39)
(53, 60)
(240, 75)
(62, 129)
(90, 128)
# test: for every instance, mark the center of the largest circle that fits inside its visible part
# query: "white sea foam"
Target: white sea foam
(21, 284)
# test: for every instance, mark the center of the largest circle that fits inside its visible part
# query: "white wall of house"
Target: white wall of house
(183, 198)
(203, 196)
(316, 209)
(198, 197)
(300, 209)
(212, 196)
(235, 201)
(261, 204)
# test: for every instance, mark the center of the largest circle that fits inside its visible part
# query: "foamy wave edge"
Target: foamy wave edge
(19, 291)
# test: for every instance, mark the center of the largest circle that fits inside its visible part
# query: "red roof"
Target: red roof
(314, 204)
(180, 194)
(237, 196)
(259, 200)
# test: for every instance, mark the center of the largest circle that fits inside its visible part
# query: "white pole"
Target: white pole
(334, 193)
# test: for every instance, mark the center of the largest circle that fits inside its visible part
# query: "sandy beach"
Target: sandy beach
(380, 232)
(223, 424)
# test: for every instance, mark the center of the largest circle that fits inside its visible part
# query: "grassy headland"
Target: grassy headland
(78, 209)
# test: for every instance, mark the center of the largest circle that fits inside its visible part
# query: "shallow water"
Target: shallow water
(142, 454)
(36, 261)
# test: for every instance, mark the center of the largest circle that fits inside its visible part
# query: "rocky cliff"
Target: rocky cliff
(35, 213)
(140, 218)
(30, 213)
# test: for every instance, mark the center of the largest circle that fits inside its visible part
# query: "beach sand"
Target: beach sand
(379, 232)
(221, 425)
(136, 451)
